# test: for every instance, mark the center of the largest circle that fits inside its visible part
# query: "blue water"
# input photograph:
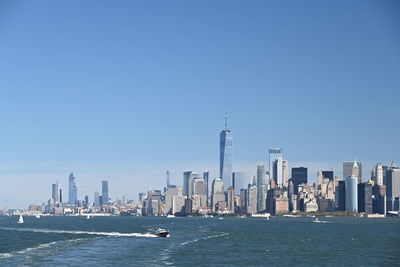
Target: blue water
(105, 241)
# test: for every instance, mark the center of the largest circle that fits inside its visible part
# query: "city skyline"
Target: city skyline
(147, 92)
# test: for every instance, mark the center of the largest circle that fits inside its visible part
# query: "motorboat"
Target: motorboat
(170, 216)
(162, 232)
(37, 216)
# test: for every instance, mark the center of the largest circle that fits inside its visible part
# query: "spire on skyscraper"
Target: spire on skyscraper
(226, 120)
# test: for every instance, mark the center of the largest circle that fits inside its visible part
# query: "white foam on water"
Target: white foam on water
(203, 238)
(38, 247)
(81, 232)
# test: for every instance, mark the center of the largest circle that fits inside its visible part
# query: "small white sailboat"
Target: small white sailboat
(21, 219)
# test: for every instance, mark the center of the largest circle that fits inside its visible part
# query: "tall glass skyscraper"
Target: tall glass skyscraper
(225, 155)
(72, 190)
(104, 193)
(261, 188)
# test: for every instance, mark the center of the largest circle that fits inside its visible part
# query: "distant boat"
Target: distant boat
(170, 216)
(162, 232)
(318, 221)
(263, 215)
(88, 217)
(37, 216)
(21, 219)
(220, 218)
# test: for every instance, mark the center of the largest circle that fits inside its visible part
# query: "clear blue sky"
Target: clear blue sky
(124, 90)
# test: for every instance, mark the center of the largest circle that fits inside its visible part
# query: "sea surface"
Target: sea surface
(130, 241)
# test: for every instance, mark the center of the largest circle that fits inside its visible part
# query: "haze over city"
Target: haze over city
(145, 91)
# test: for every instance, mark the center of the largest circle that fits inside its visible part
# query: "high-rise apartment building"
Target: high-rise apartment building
(225, 154)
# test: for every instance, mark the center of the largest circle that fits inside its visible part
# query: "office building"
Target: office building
(188, 178)
(365, 197)
(104, 193)
(261, 187)
(96, 197)
(172, 191)
(349, 167)
(55, 193)
(231, 199)
(178, 204)
(199, 189)
(252, 198)
(280, 172)
(351, 196)
(217, 193)
(378, 174)
(327, 175)
(299, 176)
(72, 190)
(239, 182)
(206, 176)
(392, 188)
(225, 155)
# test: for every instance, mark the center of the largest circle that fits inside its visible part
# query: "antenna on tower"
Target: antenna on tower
(167, 179)
(226, 120)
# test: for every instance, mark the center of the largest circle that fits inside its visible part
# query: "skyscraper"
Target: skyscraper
(231, 199)
(199, 189)
(55, 193)
(351, 198)
(225, 154)
(168, 182)
(172, 191)
(252, 198)
(188, 178)
(261, 188)
(393, 188)
(378, 177)
(348, 170)
(72, 190)
(104, 193)
(365, 197)
(96, 198)
(186, 182)
(206, 176)
(285, 173)
(217, 193)
(299, 176)
(277, 171)
(239, 182)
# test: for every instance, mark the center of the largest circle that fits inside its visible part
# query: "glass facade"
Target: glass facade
(225, 157)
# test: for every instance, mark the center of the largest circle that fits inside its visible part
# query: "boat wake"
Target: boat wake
(50, 231)
(33, 250)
